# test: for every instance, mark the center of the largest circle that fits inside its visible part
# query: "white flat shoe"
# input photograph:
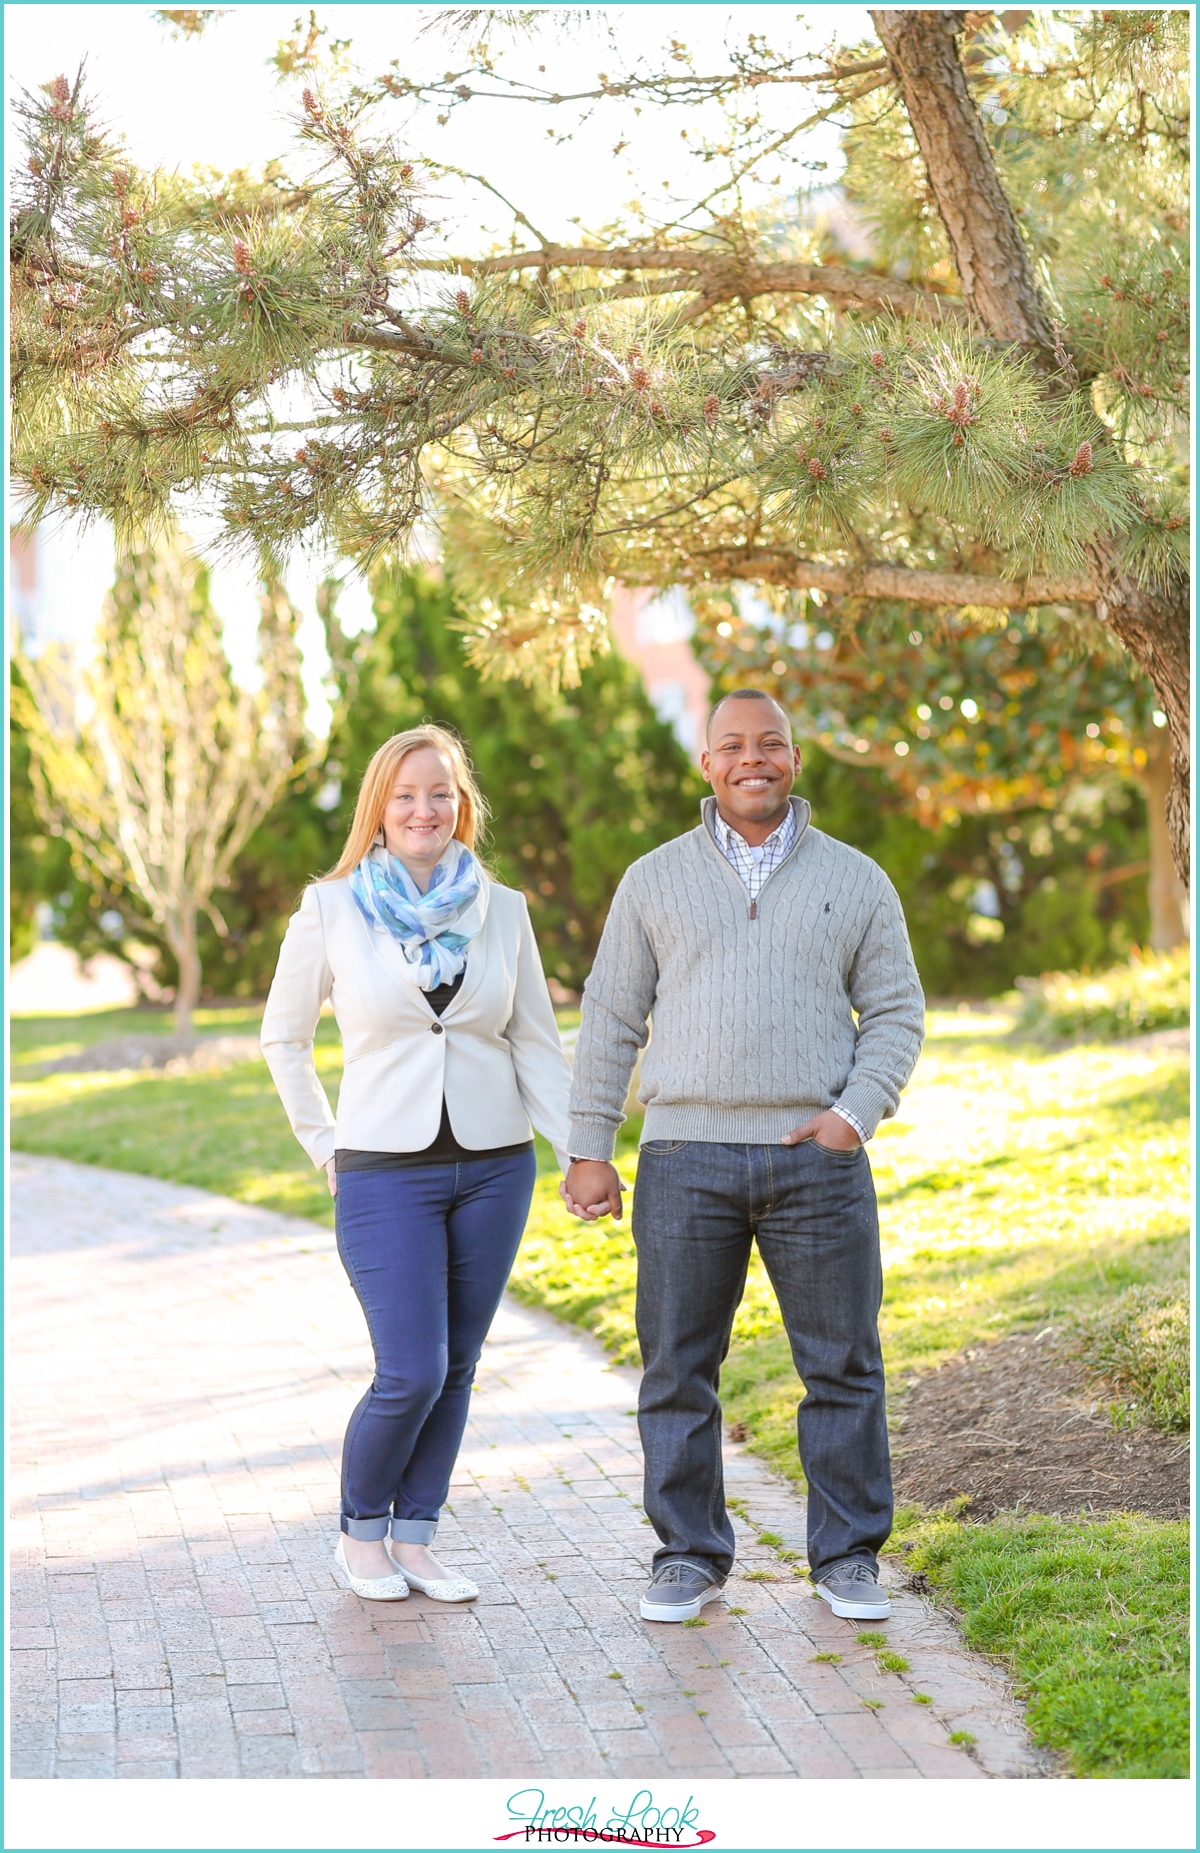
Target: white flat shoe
(373, 1588)
(443, 1588)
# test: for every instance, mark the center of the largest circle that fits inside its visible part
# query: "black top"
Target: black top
(445, 1149)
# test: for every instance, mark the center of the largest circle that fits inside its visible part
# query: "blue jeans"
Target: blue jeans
(428, 1252)
(696, 1209)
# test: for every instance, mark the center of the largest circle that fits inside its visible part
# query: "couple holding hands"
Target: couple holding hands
(787, 1018)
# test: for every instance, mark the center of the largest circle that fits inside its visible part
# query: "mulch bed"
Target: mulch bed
(174, 1054)
(1019, 1424)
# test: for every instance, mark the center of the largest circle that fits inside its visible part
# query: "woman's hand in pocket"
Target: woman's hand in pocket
(331, 1176)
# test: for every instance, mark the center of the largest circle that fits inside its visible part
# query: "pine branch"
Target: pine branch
(777, 566)
(730, 277)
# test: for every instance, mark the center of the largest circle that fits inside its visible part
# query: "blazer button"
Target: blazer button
(437, 1029)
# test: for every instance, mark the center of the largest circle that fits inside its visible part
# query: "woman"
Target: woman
(451, 1048)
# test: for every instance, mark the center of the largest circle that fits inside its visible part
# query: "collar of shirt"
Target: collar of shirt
(733, 844)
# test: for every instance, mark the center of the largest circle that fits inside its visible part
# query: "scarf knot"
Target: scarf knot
(433, 929)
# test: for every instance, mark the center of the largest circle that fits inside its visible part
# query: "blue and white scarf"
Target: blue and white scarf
(434, 929)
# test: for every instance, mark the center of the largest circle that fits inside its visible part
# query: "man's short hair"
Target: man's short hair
(744, 694)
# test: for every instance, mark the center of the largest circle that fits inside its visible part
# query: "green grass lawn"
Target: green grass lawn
(1019, 1187)
(1092, 1617)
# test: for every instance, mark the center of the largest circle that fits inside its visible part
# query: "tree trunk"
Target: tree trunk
(1000, 289)
(989, 253)
(181, 937)
(1155, 630)
(1167, 899)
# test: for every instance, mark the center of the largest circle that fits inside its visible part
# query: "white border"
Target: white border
(469, 1815)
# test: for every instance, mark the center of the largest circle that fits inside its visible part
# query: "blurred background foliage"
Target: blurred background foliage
(579, 785)
(583, 781)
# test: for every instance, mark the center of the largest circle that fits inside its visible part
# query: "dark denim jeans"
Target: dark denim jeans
(428, 1252)
(696, 1209)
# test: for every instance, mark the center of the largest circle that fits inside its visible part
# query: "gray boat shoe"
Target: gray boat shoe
(678, 1591)
(852, 1590)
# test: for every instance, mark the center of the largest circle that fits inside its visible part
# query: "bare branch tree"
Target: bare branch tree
(148, 757)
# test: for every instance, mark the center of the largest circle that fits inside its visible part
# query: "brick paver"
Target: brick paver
(182, 1369)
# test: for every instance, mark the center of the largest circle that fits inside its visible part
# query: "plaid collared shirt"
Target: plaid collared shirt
(755, 866)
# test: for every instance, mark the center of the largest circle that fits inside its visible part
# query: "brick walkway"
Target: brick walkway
(182, 1367)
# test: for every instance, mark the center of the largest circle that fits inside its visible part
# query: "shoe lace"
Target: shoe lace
(855, 1573)
(674, 1574)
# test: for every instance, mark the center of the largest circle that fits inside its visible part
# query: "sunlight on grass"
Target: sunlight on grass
(1015, 1186)
(1018, 1187)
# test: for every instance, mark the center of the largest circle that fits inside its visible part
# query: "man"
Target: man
(755, 941)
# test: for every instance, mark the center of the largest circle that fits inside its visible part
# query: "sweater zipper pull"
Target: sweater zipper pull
(754, 910)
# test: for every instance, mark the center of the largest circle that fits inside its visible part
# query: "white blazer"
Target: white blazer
(494, 1054)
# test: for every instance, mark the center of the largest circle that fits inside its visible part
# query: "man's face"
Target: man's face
(750, 763)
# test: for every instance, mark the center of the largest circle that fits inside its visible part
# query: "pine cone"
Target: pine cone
(817, 470)
(1082, 465)
(712, 409)
(462, 302)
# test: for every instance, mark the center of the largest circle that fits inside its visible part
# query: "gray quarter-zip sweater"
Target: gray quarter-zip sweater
(754, 1005)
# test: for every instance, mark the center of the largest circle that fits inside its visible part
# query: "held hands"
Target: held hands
(592, 1189)
(829, 1129)
(331, 1175)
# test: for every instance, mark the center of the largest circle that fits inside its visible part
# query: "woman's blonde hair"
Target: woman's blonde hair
(376, 789)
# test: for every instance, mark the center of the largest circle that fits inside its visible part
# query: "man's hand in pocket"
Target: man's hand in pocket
(828, 1129)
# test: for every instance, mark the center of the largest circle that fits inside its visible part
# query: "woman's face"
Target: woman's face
(420, 814)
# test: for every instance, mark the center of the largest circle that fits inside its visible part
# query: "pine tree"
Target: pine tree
(989, 416)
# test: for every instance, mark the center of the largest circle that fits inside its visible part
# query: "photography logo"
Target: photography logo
(644, 1822)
